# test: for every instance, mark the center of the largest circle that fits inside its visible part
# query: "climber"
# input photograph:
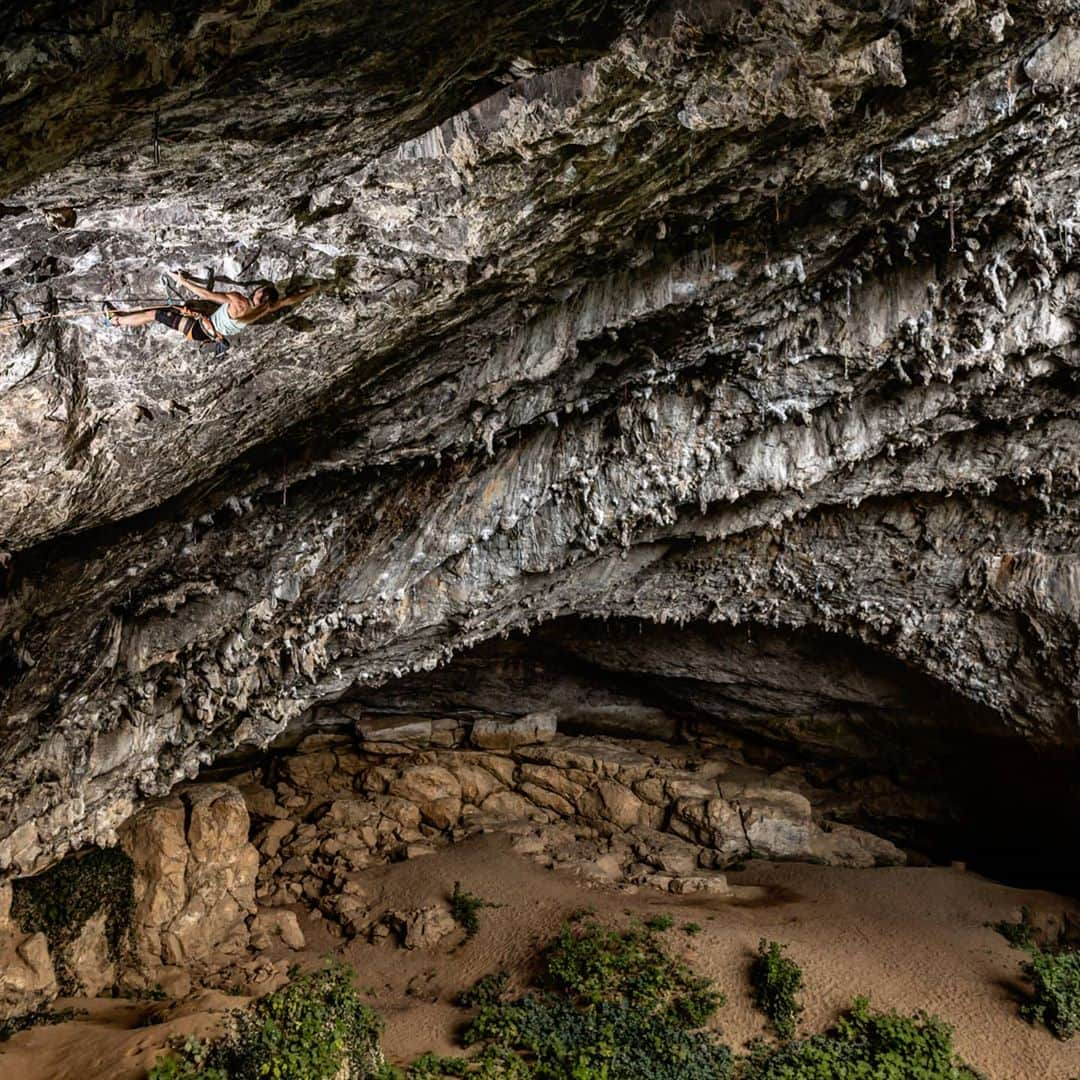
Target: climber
(235, 311)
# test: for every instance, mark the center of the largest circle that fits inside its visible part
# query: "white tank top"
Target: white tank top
(225, 324)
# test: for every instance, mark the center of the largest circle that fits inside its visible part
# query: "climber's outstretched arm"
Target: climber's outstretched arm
(204, 294)
(276, 305)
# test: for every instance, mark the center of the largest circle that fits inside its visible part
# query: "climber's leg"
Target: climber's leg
(111, 317)
(132, 318)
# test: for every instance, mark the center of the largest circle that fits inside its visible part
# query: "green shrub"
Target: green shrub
(616, 1006)
(465, 907)
(1055, 979)
(316, 1028)
(865, 1045)
(592, 964)
(776, 980)
(612, 1039)
(1018, 934)
(59, 902)
(434, 1067)
(659, 923)
(486, 991)
(1054, 974)
(691, 928)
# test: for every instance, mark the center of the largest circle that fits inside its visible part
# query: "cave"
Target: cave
(882, 746)
(629, 448)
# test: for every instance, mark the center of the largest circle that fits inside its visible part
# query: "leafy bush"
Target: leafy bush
(316, 1028)
(865, 1045)
(616, 1006)
(59, 902)
(465, 907)
(593, 964)
(434, 1067)
(776, 980)
(1054, 974)
(611, 1039)
(486, 991)
(1055, 978)
(1018, 934)
(659, 922)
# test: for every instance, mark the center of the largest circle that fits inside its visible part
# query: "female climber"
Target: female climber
(235, 312)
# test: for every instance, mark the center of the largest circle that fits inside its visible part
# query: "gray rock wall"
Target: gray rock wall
(737, 314)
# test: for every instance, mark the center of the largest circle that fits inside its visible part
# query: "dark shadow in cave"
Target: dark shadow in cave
(891, 749)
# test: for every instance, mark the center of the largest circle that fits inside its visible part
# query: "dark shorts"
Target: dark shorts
(174, 320)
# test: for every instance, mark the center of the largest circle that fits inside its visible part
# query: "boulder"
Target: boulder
(713, 823)
(843, 845)
(540, 796)
(269, 840)
(501, 765)
(422, 784)
(442, 813)
(713, 884)
(351, 912)
(194, 877)
(423, 928)
(778, 824)
(508, 805)
(553, 779)
(619, 804)
(477, 783)
(276, 924)
(665, 852)
(493, 734)
(315, 773)
(408, 732)
(27, 978)
(261, 802)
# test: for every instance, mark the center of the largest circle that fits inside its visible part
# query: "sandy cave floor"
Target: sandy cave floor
(910, 937)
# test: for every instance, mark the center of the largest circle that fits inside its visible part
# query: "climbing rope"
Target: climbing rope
(17, 322)
(8, 325)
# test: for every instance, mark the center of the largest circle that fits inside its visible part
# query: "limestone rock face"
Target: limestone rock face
(27, 978)
(744, 316)
(88, 958)
(194, 879)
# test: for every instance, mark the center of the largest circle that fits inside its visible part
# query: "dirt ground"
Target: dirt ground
(909, 937)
